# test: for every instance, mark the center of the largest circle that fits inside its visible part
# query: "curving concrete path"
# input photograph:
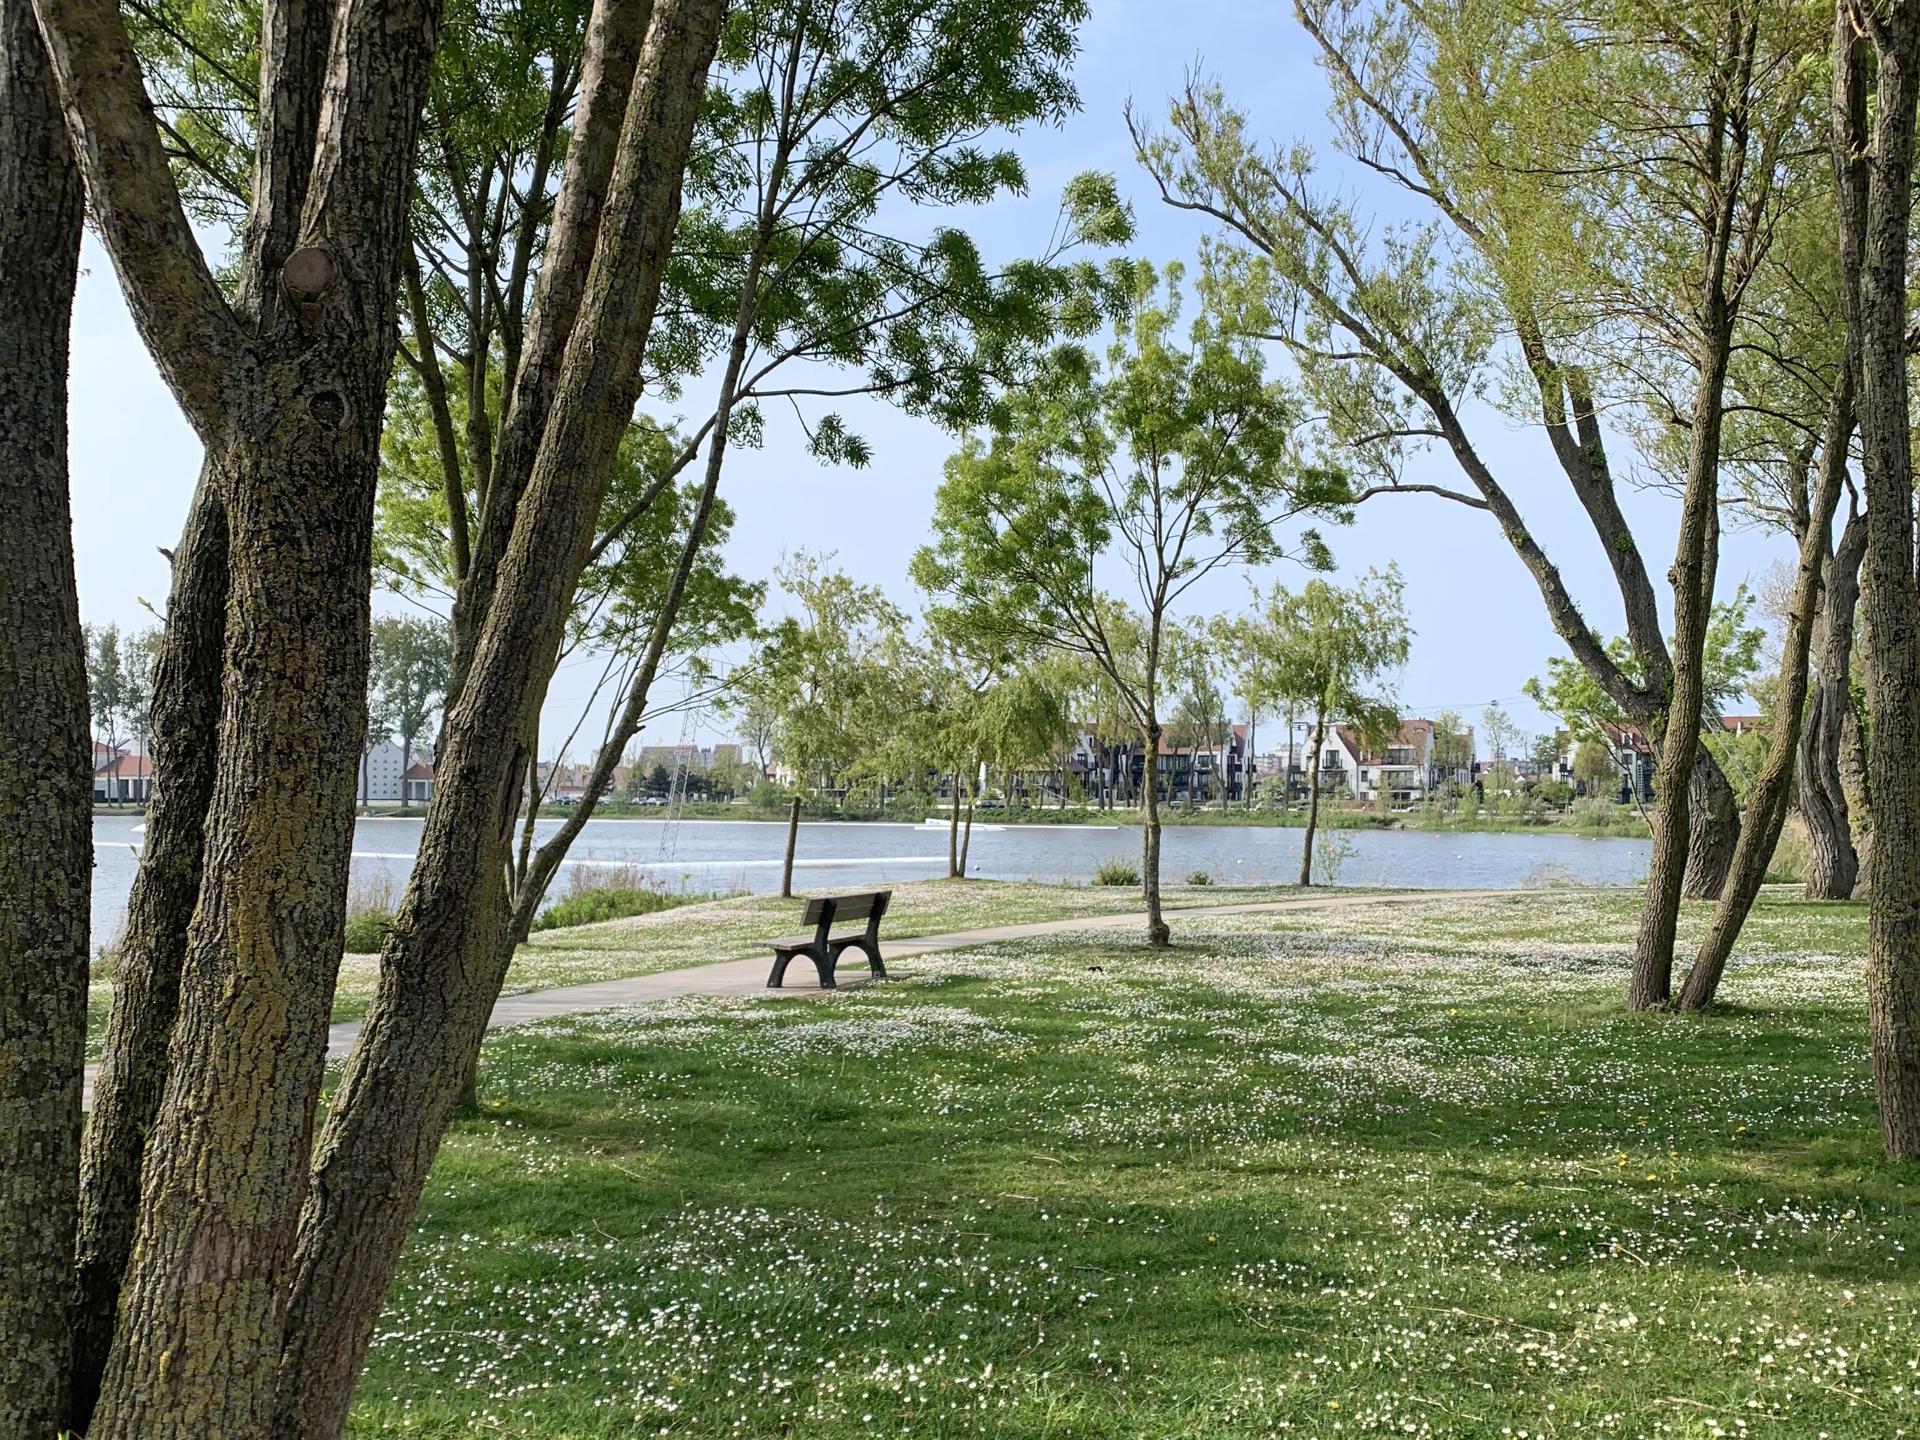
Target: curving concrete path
(747, 975)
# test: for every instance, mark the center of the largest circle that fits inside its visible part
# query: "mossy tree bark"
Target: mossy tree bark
(46, 783)
(445, 957)
(1874, 166)
(126, 1095)
(285, 382)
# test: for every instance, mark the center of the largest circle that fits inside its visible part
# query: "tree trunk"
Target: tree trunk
(953, 832)
(1767, 799)
(446, 955)
(46, 782)
(1313, 798)
(793, 840)
(966, 834)
(1875, 173)
(1713, 827)
(1834, 869)
(223, 1176)
(1695, 562)
(1158, 934)
(153, 942)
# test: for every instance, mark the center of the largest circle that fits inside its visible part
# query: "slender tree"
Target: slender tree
(1325, 649)
(1173, 458)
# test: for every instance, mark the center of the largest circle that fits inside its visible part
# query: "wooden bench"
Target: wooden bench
(823, 947)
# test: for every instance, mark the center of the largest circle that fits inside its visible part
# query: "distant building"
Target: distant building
(1633, 760)
(381, 772)
(1404, 771)
(121, 776)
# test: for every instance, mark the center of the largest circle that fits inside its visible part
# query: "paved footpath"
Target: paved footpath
(747, 976)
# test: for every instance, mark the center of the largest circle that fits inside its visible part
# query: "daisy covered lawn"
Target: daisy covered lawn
(1403, 1171)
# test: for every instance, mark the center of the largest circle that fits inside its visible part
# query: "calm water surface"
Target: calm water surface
(745, 855)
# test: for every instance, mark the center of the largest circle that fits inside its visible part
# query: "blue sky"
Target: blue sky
(1480, 627)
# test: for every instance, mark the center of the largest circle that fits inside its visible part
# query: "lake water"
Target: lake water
(710, 855)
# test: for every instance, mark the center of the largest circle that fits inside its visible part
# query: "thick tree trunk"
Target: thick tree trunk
(153, 943)
(1713, 827)
(46, 786)
(1876, 171)
(1313, 800)
(1825, 803)
(1767, 799)
(196, 1349)
(793, 842)
(966, 834)
(445, 957)
(1158, 935)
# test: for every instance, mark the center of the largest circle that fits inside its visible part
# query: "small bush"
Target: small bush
(590, 905)
(367, 931)
(1200, 877)
(1116, 872)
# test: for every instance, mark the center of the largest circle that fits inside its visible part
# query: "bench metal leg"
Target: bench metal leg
(822, 962)
(871, 949)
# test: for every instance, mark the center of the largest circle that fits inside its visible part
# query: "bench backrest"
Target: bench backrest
(826, 911)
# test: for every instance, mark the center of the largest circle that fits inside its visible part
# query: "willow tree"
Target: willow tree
(1876, 47)
(283, 377)
(1325, 649)
(46, 813)
(1169, 462)
(1575, 194)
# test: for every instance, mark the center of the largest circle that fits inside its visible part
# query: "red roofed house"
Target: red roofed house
(418, 782)
(120, 778)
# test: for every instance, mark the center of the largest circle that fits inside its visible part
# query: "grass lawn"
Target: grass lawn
(727, 929)
(1382, 1177)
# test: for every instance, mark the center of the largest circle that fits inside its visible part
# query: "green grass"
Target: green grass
(1377, 1178)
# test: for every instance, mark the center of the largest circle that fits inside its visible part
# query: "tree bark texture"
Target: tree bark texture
(46, 781)
(445, 957)
(966, 832)
(953, 832)
(1313, 799)
(1767, 798)
(1158, 934)
(1713, 827)
(288, 392)
(1874, 173)
(146, 996)
(1834, 865)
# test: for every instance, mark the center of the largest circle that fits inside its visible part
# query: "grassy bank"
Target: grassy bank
(1413, 1172)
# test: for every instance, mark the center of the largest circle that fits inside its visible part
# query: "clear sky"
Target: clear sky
(1481, 629)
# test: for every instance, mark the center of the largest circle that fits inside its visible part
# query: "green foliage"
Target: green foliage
(1173, 457)
(1326, 647)
(1116, 872)
(592, 904)
(411, 663)
(1200, 877)
(367, 932)
(1729, 660)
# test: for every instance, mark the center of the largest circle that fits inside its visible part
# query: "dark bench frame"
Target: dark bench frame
(823, 947)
